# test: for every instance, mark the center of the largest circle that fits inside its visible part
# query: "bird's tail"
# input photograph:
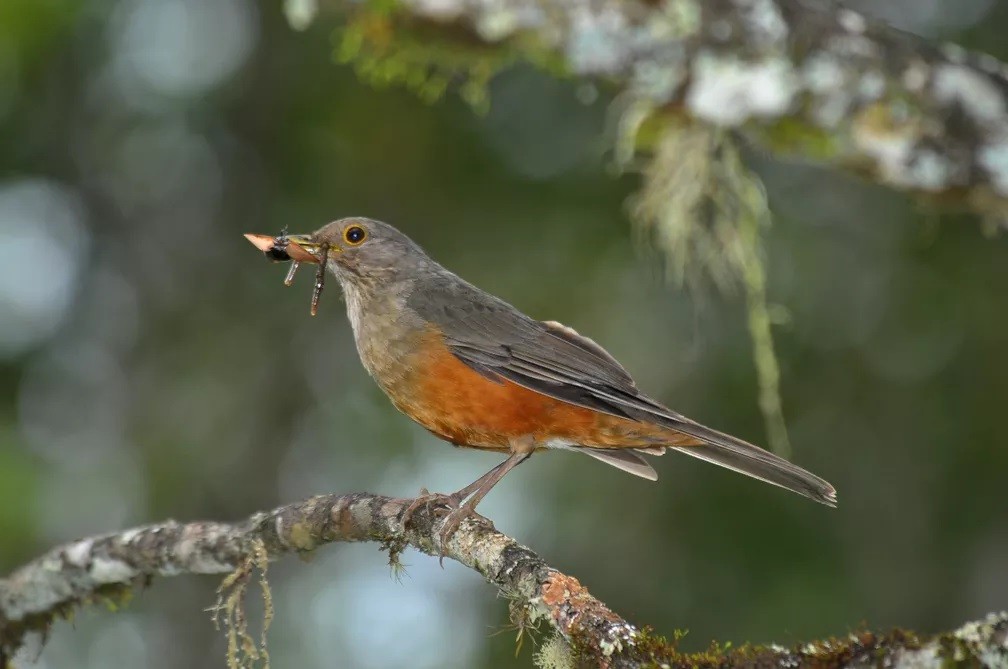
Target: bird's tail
(732, 453)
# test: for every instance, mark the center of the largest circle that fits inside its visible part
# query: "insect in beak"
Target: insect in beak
(289, 279)
(319, 277)
(297, 249)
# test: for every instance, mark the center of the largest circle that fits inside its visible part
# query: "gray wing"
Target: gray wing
(500, 342)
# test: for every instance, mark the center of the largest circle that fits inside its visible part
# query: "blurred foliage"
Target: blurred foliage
(152, 365)
(426, 66)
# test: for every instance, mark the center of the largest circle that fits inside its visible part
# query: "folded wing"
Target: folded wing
(500, 342)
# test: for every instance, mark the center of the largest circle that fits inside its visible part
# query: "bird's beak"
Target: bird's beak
(299, 248)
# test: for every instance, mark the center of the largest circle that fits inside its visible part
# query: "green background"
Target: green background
(152, 365)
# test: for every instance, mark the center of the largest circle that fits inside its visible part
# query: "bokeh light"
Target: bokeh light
(43, 221)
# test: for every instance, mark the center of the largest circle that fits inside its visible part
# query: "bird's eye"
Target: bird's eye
(354, 235)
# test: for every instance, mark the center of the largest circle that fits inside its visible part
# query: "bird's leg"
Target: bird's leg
(477, 491)
(452, 501)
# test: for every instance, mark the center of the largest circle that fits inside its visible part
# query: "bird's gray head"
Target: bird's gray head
(363, 252)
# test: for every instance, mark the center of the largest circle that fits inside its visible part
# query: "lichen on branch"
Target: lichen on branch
(588, 633)
(825, 84)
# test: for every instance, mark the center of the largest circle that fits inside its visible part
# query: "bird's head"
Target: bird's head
(364, 254)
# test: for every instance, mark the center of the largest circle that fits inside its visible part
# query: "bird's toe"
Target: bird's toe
(442, 504)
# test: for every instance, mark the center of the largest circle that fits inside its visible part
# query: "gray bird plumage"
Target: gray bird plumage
(390, 272)
(499, 341)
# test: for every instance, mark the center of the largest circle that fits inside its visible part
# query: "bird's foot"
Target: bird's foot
(424, 499)
(448, 505)
(451, 524)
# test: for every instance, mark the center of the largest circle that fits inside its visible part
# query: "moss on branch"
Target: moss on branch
(106, 569)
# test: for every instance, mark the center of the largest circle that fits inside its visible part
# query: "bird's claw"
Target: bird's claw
(451, 505)
(451, 525)
(448, 502)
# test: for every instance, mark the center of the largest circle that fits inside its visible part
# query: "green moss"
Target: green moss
(228, 612)
(704, 212)
(302, 538)
(861, 648)
(554, 653)
(386, 48)
(395, 546)
(525, 622)
(383, 53)
(793, 136)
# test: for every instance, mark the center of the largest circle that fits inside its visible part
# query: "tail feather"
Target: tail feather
(624, 444)
(626, 459)
(732, 453)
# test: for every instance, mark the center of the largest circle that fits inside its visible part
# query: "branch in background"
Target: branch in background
(825, 84)
(95, 568)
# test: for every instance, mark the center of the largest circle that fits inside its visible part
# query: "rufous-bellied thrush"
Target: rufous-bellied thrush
(478, 373)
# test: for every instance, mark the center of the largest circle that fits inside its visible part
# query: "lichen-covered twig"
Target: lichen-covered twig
(98, 567)
(822, 83)
(91, 569)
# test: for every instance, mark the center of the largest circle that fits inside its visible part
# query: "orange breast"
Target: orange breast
(458, 404)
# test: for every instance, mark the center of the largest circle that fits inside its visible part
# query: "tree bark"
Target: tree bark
(99, 567)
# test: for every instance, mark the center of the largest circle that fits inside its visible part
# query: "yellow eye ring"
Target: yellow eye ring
(354, 235)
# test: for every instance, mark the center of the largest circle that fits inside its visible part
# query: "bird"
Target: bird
(478, 373)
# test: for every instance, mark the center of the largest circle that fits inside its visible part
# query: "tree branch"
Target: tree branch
(827, 85)
(90, 569)
(78, 572)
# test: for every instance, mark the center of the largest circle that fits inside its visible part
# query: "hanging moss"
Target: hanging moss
(228, 612)
(705, 212)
